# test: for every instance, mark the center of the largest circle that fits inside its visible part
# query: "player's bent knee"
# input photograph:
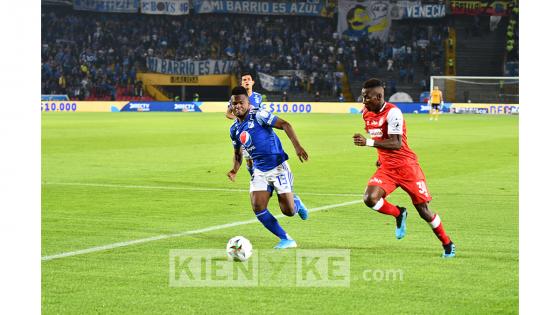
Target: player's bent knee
(370, 200)
(289, 211)
(288, 208)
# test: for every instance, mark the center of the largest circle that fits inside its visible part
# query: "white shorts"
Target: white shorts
(280, 178)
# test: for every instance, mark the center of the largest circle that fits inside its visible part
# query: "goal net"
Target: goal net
(493, 90)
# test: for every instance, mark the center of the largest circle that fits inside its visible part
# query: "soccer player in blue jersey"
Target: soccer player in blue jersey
(253, 131)
(255, 100)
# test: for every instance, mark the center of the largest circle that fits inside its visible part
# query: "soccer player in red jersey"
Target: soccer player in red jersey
(397, 164)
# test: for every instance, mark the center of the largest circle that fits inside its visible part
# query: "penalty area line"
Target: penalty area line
(180, 234)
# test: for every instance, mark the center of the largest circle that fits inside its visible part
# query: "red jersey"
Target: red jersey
(380, 125)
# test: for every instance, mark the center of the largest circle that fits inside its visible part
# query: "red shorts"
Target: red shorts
(409, 177)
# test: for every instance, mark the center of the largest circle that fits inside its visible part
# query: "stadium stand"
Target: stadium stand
(96, 56)
(512, 43)
(480, 50)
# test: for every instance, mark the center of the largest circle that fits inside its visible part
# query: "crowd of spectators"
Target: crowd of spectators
(412, 53)
(512, 43)
(87, 54)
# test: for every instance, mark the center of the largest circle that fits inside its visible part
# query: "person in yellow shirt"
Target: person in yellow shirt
(436, 99)
(62, 83)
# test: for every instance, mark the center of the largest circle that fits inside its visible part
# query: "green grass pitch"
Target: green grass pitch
(118, 177)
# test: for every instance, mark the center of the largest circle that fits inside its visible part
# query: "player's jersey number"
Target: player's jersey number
(422, 189)
(282, 179)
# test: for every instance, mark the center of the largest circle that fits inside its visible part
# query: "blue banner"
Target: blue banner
(167, 7)
(409, 108)
(162, 107)
(309, 8)
(189, 67)
(425, 11)
(272, 83)
(121, 6)
(54, 97)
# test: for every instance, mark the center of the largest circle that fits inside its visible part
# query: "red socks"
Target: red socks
(385, 207)
(437, 227)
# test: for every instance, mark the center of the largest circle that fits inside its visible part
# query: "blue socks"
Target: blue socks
(270, 222)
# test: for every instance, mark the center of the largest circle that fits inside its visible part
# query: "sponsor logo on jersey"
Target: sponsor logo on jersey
(376, 133)
(245, 139)
(376, 122)
(376, 180)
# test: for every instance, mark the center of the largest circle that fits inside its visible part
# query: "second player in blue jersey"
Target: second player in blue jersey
(255, 100)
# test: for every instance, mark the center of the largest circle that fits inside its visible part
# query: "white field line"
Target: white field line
(180, 234)
(188, 188)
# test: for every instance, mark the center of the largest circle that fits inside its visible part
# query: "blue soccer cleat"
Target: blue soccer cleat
(283, 244)
(301, 209)
(448, 250)
(400, 231)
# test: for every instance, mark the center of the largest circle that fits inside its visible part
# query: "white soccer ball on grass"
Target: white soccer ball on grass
(239, 248)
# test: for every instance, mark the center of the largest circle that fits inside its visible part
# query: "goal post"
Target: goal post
(466, 89)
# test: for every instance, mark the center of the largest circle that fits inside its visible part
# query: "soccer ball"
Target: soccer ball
(239, 248)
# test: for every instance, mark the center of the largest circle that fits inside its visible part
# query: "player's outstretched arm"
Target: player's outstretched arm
(394, 142)
(237, 160)
(284, 125)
